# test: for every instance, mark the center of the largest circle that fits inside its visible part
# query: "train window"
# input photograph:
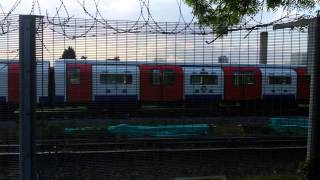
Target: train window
(169, 77)
(243, 78)
(279, 80)
(155, 77)
(203, 79)
(74, 76)
(115, 78)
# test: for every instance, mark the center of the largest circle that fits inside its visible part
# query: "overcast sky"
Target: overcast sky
(161, 10)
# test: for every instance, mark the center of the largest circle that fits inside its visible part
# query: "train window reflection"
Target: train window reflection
(74, 76)
(115, 79)
(243, 78)
(169, 77)
(279, 80)
(203, 79)
(155, 77)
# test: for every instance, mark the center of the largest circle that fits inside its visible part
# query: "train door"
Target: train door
(161, 83)
(79, 83)
(172, 83)
(242, 83)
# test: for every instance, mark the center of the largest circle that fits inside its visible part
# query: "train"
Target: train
(131, 84)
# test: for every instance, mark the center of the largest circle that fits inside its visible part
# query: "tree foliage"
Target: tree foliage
(68, 53)
(222, 14)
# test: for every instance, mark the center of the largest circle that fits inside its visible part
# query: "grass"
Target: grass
(228, 130)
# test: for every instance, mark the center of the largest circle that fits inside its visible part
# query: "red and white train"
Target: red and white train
(114, 82)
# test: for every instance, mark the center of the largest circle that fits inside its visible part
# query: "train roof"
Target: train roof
(143, 62)
(186, 64)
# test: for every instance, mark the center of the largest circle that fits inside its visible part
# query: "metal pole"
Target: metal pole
(313, 155)
(263, 47)
(27, 94)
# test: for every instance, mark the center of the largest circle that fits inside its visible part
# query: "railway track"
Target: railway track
(83, 112)
(160, 144)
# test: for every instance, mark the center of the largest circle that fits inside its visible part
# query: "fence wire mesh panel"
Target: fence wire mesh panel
(9, 50)
(159, 100)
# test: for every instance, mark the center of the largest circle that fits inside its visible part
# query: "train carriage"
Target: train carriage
(81, 82)
(112, 83)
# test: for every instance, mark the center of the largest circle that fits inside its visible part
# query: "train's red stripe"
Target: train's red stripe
(303, 86)
(13, 84)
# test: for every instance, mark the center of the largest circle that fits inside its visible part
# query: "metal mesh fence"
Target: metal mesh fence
(158, 100)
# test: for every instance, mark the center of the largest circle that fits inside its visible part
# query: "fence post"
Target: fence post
(263, 48)
(313, 154)
(27, 61)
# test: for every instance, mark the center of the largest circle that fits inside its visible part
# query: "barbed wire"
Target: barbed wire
(62, 18)
(4, 22)
(66, 28)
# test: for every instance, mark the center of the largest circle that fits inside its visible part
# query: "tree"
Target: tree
(222, 14)
(69, 53)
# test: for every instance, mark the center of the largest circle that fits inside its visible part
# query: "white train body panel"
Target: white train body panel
(115, 83)
(203, 83)
(279, 83)
(42, 81)
(3, 83)
(60, 81)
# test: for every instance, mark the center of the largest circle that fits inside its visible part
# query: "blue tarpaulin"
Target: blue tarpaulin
(158, 130)
(291, 124)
